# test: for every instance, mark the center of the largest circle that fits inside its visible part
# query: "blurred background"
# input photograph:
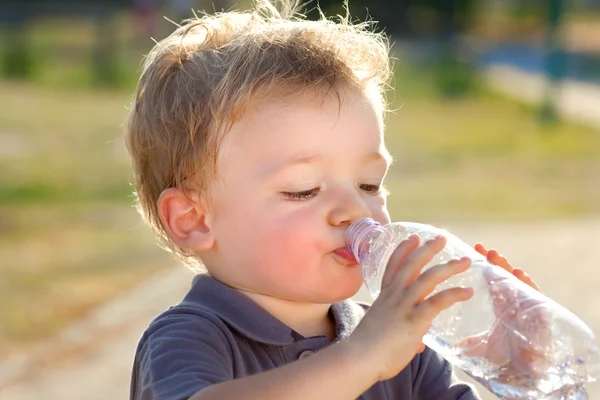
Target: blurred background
(495, 133)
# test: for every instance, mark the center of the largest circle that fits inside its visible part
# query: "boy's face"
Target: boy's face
(293, 176)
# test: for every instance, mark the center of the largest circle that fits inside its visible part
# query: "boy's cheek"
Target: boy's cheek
(292, 246)
(290, 242)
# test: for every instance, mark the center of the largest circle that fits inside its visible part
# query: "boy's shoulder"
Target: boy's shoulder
(209, 310)
(186, 322)
(186, 316)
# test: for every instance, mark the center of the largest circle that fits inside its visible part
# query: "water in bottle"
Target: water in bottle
(515, 341)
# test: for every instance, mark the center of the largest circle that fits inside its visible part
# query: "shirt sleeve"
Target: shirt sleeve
(433, 379)
(178, 356)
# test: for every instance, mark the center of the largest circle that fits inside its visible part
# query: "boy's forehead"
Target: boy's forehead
(277, 115)
(381, 156)
(294, 103)
(307, 129)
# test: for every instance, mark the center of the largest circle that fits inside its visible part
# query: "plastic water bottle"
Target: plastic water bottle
(512, 339)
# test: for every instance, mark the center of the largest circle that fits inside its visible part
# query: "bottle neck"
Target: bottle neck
(359, 236)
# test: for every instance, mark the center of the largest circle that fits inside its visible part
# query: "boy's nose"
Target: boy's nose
(347, 209)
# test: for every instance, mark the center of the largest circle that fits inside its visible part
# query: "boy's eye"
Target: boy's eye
(303, 195)
(370, 189)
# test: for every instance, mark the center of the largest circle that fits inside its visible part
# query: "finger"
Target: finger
(428, 281)
(471, 341)
(503, 294)
(431, 307)
(404, 249)
(498, 259)
(480, 248)
(524, 277)
(414, 263)
(473, 346)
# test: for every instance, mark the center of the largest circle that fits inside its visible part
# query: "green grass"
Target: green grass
(67, 145)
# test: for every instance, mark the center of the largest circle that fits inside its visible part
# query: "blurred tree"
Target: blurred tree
(438, 21)
(105, 57)
(555, 62)
(405, 17)
(455, 70)
(16, 59)
(15, 16)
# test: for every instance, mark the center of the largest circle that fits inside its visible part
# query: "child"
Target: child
(257, 139)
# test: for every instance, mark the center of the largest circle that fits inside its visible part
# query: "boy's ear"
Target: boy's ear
(185, 219)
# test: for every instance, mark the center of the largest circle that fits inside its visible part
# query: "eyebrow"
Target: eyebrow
(313, 158)
(376, 156)
(302, 159)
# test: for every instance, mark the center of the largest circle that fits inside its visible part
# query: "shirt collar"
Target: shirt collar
(249, 319)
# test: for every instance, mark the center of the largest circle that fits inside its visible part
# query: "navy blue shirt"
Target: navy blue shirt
(217, 334)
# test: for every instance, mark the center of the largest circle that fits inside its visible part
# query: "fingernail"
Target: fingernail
(435, 239)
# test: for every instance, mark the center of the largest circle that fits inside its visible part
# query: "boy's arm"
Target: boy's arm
(337, 372)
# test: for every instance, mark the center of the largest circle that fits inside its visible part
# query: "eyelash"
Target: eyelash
(309, 194)
(303, 195)
(372, 189)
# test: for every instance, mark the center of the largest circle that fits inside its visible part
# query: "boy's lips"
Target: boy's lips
(345, 254)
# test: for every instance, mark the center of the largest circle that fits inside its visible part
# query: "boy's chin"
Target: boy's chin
(342, 293)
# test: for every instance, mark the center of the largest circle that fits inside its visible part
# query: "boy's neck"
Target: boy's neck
(307, 319)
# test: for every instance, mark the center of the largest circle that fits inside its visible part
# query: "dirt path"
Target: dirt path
(92, 360)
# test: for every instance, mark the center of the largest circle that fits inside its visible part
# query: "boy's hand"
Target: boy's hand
(504, 344)
(391, 332)
(497, 259)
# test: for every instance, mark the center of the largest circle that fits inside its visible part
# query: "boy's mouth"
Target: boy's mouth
(346, 255)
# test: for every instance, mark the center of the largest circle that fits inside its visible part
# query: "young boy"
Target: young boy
(257, 139)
